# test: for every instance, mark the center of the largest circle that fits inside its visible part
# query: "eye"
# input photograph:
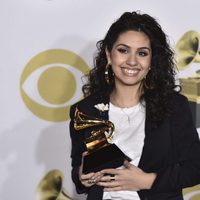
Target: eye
(122, 50)
(51, 82)
(143, 53)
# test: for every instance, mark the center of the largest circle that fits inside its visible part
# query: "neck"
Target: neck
(125, 97)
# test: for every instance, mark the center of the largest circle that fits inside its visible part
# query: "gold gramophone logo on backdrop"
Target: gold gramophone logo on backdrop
(50, 187)
(192, 193)
(188, 52)
(50, 83)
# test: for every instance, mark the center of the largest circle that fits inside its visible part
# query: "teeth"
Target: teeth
(131, 71)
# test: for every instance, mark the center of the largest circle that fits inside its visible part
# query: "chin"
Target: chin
(132, 83)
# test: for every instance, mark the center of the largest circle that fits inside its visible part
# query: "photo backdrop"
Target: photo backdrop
(46, 46)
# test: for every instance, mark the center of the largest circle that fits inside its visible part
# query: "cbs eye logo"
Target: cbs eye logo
(48, 83)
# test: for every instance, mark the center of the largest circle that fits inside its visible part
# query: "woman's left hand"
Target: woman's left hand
(129, 178)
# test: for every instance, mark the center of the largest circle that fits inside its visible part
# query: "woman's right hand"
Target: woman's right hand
(89, 179)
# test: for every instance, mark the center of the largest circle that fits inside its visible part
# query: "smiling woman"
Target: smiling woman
(134, 74)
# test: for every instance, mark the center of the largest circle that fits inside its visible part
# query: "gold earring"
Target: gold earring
(106, 73)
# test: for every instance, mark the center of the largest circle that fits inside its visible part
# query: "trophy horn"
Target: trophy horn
(82, 121)
(188, 49)
(50, 187)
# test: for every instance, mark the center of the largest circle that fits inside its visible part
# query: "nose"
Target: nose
(131, 60)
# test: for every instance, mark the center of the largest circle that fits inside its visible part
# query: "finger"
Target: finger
(92, 181)
(91, 177)
(89, 183)
(108, 184)
(97, 176)
(127, 164)
(108, 178)
(86, 176)
(84, 153)
(113, 177)
(110, 171)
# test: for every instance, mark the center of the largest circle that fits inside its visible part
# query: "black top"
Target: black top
(171, 150)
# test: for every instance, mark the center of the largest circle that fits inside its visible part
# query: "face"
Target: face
(130, 58)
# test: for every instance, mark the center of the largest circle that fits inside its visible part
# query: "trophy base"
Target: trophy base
(107, 157)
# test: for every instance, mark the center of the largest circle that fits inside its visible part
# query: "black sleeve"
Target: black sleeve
(185, 169)
(78, 148)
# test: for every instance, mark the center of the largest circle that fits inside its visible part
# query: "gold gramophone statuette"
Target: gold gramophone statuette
(101, 153)
(98, 138)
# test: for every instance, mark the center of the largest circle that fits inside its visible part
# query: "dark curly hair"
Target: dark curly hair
(159, 82)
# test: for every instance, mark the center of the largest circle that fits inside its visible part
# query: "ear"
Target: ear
(108, 56)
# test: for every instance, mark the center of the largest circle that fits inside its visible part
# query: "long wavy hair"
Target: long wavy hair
(160, 80)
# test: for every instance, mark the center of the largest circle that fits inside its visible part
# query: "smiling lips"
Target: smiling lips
(130, 72)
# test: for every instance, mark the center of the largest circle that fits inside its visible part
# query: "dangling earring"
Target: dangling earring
(106, 73)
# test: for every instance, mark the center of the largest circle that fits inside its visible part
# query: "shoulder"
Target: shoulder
(86, 101)
(181, 109)
(81, 103)
(178, 100)
(176, 96)
(87, 104)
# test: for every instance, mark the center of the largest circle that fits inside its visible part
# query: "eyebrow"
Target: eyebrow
(140, 48)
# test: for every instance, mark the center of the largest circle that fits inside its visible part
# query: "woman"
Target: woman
(134, 74)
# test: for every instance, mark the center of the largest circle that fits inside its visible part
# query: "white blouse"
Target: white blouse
(129, 137)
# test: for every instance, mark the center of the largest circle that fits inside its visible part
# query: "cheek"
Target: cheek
(146, 66)
(146, 71)
(117, 58)
(146, 63)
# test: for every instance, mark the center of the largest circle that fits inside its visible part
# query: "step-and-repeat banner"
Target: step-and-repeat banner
(46, 46)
